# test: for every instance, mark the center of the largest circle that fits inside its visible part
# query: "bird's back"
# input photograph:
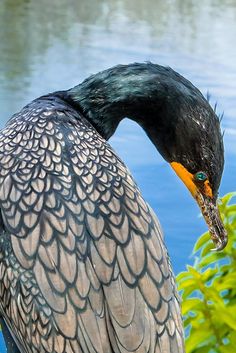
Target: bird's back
(83, 267)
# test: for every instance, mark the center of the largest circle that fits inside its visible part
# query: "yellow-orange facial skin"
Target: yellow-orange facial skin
(202, 192)
(188, 179)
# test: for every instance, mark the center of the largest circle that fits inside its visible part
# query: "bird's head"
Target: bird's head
(200, 168)
(187, 134)
(177, 118)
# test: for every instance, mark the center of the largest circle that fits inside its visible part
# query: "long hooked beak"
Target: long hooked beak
(207, 204)
(211, 214)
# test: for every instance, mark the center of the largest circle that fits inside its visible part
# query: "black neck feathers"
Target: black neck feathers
(142, 92)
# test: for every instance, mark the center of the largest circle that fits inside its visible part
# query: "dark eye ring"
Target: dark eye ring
(200, 176)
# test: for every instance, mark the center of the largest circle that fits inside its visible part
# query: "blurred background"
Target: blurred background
(53, 45)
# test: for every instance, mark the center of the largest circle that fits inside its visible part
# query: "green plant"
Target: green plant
(208, 291)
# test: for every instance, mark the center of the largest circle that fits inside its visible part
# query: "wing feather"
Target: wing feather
(89, 270)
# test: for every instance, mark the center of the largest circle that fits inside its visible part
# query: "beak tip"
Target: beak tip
(220, 242)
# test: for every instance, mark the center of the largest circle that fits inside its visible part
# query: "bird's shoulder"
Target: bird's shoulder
(42, 113)
(47, 126)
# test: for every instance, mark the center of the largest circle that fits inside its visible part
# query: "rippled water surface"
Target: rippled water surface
(53, 45)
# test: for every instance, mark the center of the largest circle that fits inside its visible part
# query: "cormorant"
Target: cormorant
(83, 265)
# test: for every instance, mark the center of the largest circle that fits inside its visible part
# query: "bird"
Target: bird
(83, 263)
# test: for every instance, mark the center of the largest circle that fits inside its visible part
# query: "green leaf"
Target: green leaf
(202, 240)
(228, 348)
(210, 259)
(189, 292)
(231, 210)
(229, 281)
(204, 349)
(225, 315)
(194, 272)
(207, 249)
(198, 338)
(209, 273)
(183, 276)
(226, 199)
(211, 294)
(190, 304)
(188, 283)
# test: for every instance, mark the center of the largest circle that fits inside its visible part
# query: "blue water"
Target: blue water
(47, 46)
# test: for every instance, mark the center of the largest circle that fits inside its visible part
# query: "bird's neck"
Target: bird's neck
(135, 91)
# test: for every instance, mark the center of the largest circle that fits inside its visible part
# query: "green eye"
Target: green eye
(200, 176)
